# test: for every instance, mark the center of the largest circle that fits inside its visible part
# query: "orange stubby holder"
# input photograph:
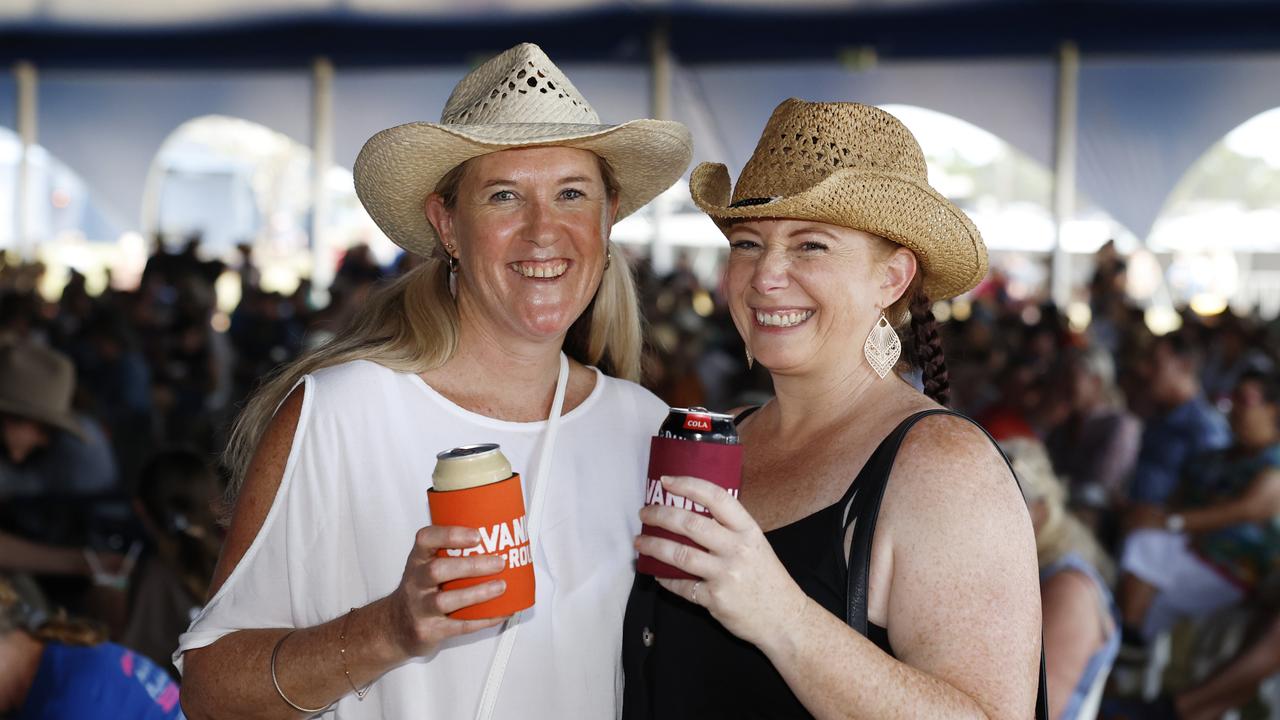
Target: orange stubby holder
(497, 511)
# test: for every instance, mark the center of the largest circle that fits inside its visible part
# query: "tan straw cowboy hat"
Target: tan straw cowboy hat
(518, 99)
(855, 166)
(36, 383)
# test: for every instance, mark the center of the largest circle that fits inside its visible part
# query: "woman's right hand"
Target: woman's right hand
(420, 607)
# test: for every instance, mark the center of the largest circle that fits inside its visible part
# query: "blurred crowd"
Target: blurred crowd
(1150, 462)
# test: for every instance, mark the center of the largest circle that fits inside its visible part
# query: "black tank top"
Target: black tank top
(679, 662)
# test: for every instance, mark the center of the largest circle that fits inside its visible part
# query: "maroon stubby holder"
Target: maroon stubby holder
(713, 461)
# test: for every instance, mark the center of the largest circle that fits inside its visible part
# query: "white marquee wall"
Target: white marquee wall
(1142, 123)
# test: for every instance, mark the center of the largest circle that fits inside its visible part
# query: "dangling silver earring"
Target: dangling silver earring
(751, 362)
(882, 347)
(608, 258)
(453, 261)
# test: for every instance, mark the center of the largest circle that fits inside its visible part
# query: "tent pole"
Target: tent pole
(25, 74)
(660, 95)
(1064, 170)
(322, 269)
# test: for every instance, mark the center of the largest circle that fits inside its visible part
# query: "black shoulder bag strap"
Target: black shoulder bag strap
(866, 508)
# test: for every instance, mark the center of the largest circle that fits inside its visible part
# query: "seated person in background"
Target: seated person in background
(1095, 448)
(1230, 687)
(49, 448)
(44, 447)
(1236, 348)
(175, 501)
(59, 669)
(1185, 425)
(1223, 535)
(1081, 637)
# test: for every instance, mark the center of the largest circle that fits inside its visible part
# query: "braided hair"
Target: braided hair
(928, 348)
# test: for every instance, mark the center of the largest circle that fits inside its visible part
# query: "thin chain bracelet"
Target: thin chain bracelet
(342, 650)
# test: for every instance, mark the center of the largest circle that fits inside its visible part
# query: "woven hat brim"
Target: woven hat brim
(400, 166)
(61, 420)
(948, 246)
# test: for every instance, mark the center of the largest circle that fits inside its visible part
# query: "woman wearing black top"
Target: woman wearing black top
(836, 238)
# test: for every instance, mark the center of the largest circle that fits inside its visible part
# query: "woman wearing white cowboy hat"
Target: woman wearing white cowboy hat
(924, 606)
(510, 198)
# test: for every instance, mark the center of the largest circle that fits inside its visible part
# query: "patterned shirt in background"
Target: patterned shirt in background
(1248, 552)
(1169, 442)
(80, 683)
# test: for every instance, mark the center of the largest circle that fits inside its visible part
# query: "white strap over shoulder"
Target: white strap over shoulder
(539, 482)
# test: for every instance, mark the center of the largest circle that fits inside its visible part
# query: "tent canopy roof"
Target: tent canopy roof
(414, 32)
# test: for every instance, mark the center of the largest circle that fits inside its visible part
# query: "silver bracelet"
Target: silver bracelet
(276, 682)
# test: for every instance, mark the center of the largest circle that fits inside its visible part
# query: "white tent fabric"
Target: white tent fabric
(109, 126)
(1143, 123)
(1012, 99)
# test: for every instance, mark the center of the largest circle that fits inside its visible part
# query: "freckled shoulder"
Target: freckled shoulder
(954, 525)
(950, 481)
(950, 459)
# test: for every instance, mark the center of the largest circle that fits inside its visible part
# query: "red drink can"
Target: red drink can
(694, 442)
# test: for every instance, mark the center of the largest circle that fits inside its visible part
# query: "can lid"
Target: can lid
(702, 411)
(470, 466)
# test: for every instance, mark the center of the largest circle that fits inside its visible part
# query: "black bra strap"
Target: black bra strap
(873, 479)
(746, 413)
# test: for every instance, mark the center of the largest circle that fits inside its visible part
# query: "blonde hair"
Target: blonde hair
(1061, 532)
(1098, 362)
(412, 326)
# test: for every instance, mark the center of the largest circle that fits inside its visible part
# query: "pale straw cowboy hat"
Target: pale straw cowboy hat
(518, 99)
(37, 383)
(855, 166)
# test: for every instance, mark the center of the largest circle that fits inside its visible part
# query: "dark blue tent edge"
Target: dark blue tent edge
(976, 30)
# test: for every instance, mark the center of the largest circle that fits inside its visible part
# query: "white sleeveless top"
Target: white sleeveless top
(353, 496)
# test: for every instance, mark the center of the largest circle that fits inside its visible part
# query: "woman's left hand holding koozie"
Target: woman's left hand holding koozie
(743, 585)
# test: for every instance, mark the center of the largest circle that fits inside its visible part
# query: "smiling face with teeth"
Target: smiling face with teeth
(528, 227)
(804, 295)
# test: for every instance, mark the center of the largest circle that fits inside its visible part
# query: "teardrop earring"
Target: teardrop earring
(751, 362)
(883, 348)
(453, 259)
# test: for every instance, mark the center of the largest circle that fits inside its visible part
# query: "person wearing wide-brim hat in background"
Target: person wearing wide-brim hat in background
(510, 199)
(837, 244)
(36, 385)
(46, 450)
